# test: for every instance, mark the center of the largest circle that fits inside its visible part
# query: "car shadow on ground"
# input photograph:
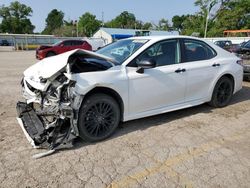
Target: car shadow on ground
(157, 120)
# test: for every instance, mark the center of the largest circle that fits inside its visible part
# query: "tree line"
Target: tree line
(213, 17)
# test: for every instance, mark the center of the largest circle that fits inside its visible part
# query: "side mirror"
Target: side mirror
(61, 45)
(145, 64)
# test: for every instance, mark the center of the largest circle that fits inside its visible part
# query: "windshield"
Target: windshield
(121, 50)
(57, 43)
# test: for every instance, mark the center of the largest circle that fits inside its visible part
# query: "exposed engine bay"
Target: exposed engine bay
(49, 114)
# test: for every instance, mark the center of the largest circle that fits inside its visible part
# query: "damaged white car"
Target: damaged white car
(87, 94)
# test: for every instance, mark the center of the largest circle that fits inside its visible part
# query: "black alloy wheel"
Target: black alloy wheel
(99, 116)
(222, 93)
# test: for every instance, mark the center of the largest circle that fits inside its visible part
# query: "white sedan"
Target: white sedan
(87, 94)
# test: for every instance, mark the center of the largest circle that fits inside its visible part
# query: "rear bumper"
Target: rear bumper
(30, 123)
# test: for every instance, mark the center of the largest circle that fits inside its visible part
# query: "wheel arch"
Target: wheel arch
(110, 92)
(228, 75)
(231, 77)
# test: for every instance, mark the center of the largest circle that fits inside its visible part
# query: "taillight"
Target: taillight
(240, 62)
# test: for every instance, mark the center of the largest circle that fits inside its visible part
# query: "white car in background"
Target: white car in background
(87, 94)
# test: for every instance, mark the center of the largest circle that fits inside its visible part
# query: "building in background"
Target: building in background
(112, 34)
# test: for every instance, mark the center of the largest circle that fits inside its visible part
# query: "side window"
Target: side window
(163, 53)
(196, 51)
(67, 43)
(247, 45)
(77, 43)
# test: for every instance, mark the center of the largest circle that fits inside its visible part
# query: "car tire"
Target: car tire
(49, 54)
(98, 118)
(222, 94)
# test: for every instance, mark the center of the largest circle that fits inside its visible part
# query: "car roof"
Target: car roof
(164, 37)
(72, 40)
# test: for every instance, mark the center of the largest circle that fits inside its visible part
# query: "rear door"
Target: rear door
(201, 68)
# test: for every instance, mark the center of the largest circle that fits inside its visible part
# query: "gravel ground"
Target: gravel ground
(195, 147)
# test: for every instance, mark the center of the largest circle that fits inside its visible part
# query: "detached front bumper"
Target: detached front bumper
(30, 123)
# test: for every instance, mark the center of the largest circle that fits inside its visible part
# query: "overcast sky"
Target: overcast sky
(145, 10)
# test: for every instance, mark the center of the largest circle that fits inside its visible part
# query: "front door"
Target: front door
(158, 87)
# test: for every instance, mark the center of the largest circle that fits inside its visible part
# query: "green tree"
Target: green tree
(125, 20)
(138, 24)
(54, 21)
(147, 26)
(163, 25)
(178, 22)
(15, 18)
(65, 31)
(88, 24)
(233, 15)
(205, 9)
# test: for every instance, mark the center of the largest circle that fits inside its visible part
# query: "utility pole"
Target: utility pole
(207, 18)
(76, 28)
(210, 6)
(102, 18)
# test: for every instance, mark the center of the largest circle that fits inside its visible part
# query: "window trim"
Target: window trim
(183, 54)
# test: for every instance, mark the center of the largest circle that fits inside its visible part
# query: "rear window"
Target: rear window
(67, 43)
(195, 50)
(77, 43)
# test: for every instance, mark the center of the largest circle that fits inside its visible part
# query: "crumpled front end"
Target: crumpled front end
(48, 117)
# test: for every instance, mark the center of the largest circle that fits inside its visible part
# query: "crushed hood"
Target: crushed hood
(51, 65)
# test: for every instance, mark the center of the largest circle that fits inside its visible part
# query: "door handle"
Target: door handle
(180, 70)
(216, 65)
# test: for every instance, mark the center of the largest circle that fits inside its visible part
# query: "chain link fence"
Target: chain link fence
(32, 41)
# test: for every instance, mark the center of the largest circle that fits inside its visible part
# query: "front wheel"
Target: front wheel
(223, 92)
(99, 116)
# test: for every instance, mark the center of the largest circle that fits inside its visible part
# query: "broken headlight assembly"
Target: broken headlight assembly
(47, 117)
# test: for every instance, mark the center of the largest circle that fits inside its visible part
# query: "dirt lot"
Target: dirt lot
(196, 147)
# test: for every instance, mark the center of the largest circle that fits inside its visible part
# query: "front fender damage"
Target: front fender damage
(49, 115)
(50, 120)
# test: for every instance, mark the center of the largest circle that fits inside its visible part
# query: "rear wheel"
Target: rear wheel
(99, 116)
(222, 93)
(49, 54)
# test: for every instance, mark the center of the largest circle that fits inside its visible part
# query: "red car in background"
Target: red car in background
(61, 47)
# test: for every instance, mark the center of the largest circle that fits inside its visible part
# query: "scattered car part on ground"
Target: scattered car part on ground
(87, 94)
(61, 47)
